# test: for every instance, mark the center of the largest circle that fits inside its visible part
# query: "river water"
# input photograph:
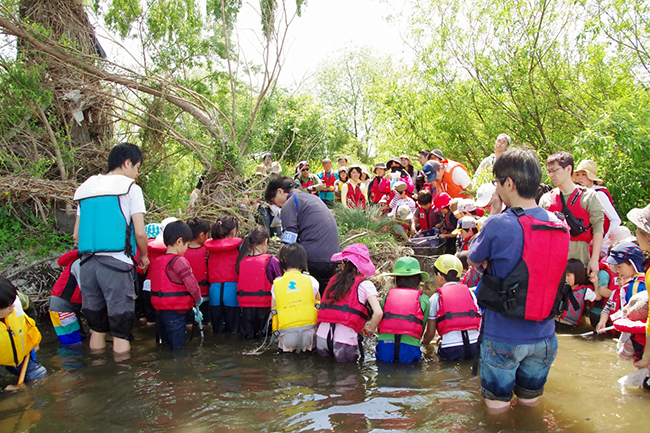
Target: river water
(214, 387)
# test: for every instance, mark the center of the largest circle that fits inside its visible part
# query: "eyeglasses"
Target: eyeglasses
(304, 169)
(499, 181)
(553, 170)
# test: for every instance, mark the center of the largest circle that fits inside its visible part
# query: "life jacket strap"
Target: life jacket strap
(408, 317)
(257, 293)
(160, 294)
(449, 315)
(343, 308)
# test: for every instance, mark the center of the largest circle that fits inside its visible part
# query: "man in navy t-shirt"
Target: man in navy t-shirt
(516, 354)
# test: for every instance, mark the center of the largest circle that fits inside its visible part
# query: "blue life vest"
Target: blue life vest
(102, 224)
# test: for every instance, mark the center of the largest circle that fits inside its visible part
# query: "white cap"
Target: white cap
(484, 194)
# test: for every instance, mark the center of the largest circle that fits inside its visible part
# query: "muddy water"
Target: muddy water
(215, 387)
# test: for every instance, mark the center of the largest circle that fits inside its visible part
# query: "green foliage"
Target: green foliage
(121, 15)
(356, 219)
(39, 241)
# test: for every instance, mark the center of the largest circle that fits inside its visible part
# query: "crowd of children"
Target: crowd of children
(206, 272)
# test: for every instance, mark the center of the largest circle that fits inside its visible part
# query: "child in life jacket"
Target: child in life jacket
(343, 313)
(223, 250)
(405, 308)
(174, 290)
(454, 313)
(256, 270)
(445, 221)
(65, 300)
(294, 302)
(632, 326)
(576, 277)
(19, 336)
(605, 284)
(197, 255)
(627, 260)
(465, 231)
(403, 227)
(338, 185)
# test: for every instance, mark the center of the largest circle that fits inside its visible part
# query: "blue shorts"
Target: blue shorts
(407, 353)
(522, 368)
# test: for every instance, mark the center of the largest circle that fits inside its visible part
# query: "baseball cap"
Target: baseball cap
(447, 263)
(466, 205)
(625, 251)
(466, 222)
(484, 194)
(407, 266)
(442, 200)
(400, 186)
(430, 170)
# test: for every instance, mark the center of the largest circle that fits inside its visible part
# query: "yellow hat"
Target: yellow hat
(447, 263)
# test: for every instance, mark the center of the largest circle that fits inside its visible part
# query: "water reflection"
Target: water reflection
(214, 387)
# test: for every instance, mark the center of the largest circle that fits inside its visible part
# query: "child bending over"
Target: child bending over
(294, 302)
(256, 270)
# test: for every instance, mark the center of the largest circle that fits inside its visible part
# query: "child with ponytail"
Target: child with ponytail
(343, 313)
(256, 270)
(223, 250)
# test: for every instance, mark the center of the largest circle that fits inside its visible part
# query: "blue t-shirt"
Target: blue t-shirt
(501, 240)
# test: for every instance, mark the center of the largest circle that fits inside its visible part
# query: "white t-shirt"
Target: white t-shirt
(453, 338)
(343, 334)
(610, 212)
(131, 203)
(460, 177)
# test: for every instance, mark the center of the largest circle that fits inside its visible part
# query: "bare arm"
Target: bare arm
(140, 239)
(430, 332)
(377, 314)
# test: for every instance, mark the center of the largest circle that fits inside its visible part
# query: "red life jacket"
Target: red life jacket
(254, 287)
(328, 178)
(456, 310)
(155, 249)
(198, 258)
(603, 266)
(535, 289)
(378, 188)
(168, 294)
(67, 286)
(403, 314)
(347, 311)
(575, 208)
(355, 197)
(425, 218)
(600, 188)
(572, 314)
(464, 243)
(222, 257)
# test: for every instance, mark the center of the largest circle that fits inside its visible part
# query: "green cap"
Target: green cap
(406, 266)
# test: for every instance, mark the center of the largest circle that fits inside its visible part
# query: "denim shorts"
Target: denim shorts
(522, 368)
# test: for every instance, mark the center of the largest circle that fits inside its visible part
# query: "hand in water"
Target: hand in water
(600, 326)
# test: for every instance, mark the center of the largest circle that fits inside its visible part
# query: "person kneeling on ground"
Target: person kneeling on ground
(295, 301)
(405, 308)
(454, 312)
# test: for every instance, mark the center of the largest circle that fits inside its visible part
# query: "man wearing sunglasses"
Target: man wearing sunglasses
(307, 182)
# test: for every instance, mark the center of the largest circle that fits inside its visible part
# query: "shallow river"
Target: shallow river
(214, 387)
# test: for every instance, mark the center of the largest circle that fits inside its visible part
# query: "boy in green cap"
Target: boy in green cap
(454, 312)
(405, 311)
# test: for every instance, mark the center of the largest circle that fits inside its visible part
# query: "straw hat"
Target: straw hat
(640, 218)
(591, 168)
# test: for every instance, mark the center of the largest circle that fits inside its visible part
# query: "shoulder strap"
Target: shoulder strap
(295, 200)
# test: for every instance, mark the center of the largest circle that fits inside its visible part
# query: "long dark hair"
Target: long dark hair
(223, 226)
(343, 282)
(256, 236)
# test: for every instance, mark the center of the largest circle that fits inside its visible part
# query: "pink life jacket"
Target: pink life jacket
(254, 287)
(198, 258)
(403, 314)
(67, 286)
(572, 314)
(347, 311)
(535, 289)
(167, 294)
(457, 310)
(575, 211)
(222, 257)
